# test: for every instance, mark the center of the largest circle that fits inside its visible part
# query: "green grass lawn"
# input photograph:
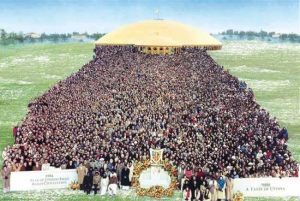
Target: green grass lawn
(29, 70)
(26, 71)
(273, 72)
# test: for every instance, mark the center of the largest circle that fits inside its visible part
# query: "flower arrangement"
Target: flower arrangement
(238, 196)
(154, 191)
(74, 185)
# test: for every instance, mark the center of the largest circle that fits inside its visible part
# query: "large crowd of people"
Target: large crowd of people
(123, 102)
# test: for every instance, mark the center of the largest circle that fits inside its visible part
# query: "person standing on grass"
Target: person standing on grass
(119, 168)
(96, 182)
(104, 184)
(81, 172)
(5, 173)
(125, 183)
(213, 189)
(131, 167)
(113, 184)
(88, 181)
(187, 194)
(221, 188)
(229, 188)
(15, 130)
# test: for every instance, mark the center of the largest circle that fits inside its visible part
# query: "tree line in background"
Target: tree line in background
(264, 35)
(7, 38)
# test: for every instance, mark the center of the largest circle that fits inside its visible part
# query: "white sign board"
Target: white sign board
(38, 180)
(154, 176)
(268, 187)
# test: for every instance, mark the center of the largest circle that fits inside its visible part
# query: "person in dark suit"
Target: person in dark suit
(88, 181)
(125, 176)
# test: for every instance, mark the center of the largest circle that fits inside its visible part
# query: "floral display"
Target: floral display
(74, 185)
(154, 191)
(238, 196)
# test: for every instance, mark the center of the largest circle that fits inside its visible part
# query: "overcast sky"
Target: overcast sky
(103, 16)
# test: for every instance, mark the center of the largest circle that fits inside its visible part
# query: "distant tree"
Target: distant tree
(283, 37)
(242, 34)
(3, 34)
(263, 34)
(229, 32)
(270, 34)
(63, 37)
(96, 36)
(293, 37)
(20, 37)
(251, 35)
(43, 37)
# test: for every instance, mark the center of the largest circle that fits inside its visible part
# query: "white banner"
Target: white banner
(39, 180)
(268, 187)
(154, 176)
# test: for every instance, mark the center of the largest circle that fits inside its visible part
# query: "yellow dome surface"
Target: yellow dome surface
(159, 33)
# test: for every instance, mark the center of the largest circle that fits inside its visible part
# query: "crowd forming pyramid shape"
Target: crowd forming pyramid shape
(123, 103)
(160, 37)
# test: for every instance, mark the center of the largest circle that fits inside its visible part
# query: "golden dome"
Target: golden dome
(160, 33)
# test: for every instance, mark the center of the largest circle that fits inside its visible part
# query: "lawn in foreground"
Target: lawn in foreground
(271, 70)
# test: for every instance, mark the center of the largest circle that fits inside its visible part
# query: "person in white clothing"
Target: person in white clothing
(213, 189)
(104, 184)
(113, 184)
(187, 194)
(131, 167)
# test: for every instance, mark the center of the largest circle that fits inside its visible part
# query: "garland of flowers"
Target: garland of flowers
(154, 191)
(74, 185)
(238, 196)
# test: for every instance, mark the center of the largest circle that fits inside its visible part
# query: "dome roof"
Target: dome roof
(158, 33)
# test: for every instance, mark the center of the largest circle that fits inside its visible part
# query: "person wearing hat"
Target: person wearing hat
(96, 182)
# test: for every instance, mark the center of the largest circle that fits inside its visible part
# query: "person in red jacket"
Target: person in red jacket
(15, 130)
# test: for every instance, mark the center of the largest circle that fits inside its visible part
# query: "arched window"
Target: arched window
(161, 48)
(149, 48)
(155, 48)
